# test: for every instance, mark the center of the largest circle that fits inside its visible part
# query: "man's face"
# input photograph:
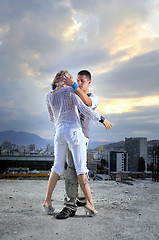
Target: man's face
(83, 83)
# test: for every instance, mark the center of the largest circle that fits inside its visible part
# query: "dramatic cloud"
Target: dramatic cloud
(116, 40)
(137, 77)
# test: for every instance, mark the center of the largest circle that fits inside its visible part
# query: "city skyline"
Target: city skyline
(26, 138)
(117, 41)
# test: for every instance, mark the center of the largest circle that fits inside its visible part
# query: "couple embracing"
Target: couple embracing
(71, 107)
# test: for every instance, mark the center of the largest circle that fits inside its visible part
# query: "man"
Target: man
(73, 191)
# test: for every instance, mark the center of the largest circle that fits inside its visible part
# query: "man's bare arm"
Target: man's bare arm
(85, 99)
(83, 96)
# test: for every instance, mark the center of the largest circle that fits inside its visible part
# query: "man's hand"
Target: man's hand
(58, 78)
(68, 80)
(107, 124)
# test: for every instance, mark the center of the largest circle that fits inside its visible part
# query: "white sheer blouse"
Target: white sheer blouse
(63, 108)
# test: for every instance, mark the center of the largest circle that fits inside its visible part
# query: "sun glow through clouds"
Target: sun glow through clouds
(72, 29)
(126, 104)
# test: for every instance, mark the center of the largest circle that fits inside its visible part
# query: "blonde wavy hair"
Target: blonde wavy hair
(66, 73)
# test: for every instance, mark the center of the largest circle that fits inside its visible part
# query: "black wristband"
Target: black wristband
(101, 119)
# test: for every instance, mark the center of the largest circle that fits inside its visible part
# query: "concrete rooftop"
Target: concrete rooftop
(125, 212)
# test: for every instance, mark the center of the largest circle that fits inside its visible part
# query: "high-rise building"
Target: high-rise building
(118, 161)
(136, 148)
(150, 149)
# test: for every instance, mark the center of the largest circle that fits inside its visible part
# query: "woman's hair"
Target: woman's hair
(66, 72)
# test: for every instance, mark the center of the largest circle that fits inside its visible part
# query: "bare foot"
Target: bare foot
(47, 204)
(90, 207)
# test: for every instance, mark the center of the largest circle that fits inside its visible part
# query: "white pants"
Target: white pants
(68, 136)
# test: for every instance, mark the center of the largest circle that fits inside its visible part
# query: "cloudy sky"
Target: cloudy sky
(116, 40)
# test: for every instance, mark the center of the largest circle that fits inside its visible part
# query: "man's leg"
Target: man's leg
(71, 183)
(71, 187)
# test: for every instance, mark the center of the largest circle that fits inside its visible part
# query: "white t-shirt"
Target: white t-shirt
(85, 121)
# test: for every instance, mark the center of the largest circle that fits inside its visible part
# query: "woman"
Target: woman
(63, 105)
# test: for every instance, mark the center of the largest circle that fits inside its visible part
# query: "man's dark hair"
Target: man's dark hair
(86, 73)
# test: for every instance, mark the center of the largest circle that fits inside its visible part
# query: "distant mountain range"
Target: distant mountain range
(23, 138)
(30, 138)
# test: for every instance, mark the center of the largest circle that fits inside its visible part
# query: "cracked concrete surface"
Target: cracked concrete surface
(125, 212)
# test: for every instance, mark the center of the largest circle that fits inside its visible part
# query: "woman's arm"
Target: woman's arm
(51, 117)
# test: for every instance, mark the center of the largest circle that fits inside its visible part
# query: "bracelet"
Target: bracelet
(75, 86)
(101, 119)
(53, 86)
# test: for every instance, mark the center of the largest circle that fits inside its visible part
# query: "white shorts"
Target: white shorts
(68, 136)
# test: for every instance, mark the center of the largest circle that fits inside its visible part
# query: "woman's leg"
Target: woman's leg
(79, 152)
(84, 184)
(60, 155)
(50, 188)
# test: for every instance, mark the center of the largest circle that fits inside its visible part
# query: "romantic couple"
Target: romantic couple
(71, 107)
